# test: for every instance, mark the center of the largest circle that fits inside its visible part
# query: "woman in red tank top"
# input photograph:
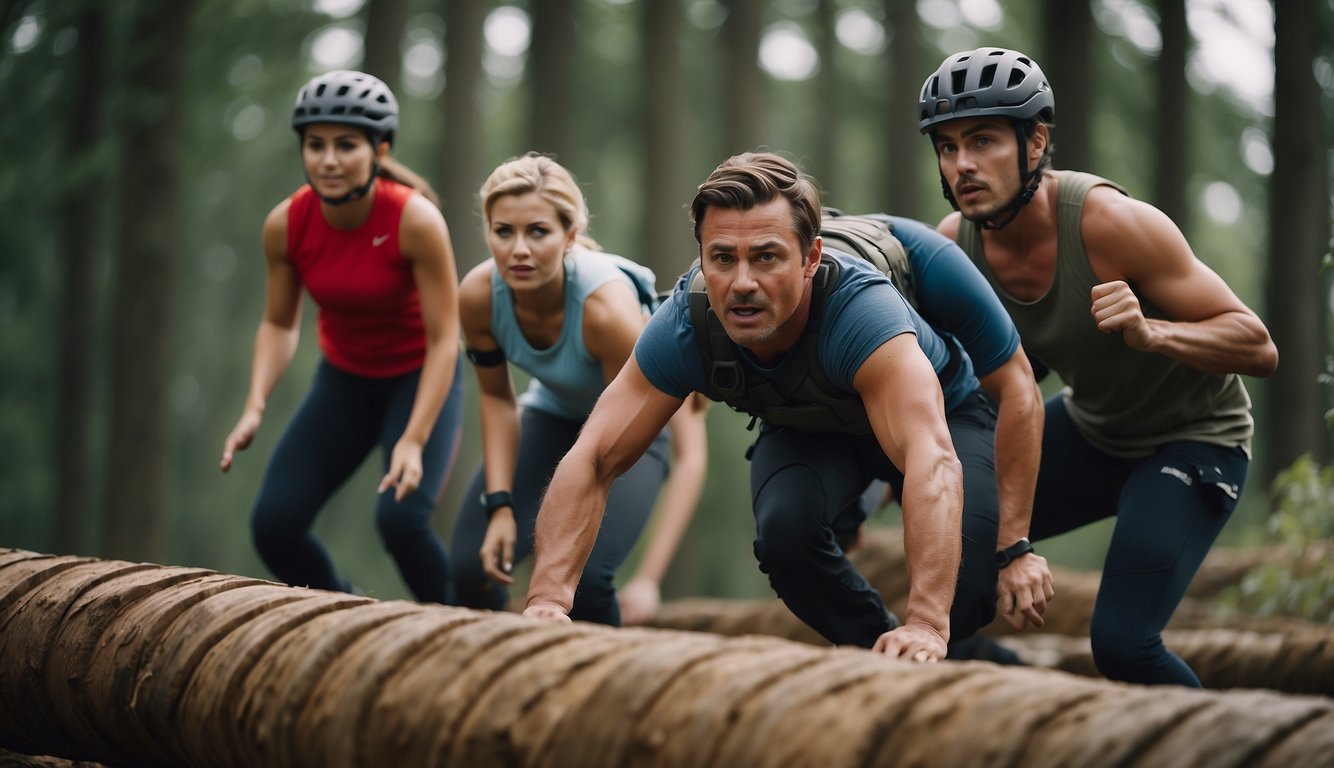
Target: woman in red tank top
(365, 239)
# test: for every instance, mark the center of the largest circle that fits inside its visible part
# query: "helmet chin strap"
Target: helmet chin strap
(355, 194)
(1031, 180)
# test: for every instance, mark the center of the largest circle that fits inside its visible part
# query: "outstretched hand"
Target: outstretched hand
(405, 470)
(239, 439)
(1023, 589)
(497, 551)
(639, 601)
(913, 642)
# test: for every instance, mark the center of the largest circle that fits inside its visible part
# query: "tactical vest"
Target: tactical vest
(801, 397)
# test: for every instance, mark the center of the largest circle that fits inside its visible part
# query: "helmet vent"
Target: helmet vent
(1016, 77)
(957, 78)
(988, 75)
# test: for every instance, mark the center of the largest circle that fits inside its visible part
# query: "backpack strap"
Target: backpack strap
(725, 373)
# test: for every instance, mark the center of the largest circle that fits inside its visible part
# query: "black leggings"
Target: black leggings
(1169, 506)
(806, 491)
(543, 440)
(342, 418)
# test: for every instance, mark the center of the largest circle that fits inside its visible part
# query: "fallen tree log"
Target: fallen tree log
(135, 664)
(1300, 662)
(881, 560)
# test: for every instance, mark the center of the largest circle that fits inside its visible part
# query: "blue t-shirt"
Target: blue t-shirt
(862, 311)
(953, 296)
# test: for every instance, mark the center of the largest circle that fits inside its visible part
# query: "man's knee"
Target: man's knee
(785, 532)
(1119, 649)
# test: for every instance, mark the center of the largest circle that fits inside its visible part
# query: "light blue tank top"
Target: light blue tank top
(566, 380)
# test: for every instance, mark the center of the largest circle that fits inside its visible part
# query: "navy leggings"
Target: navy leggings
(342, 418)
(1169, 506)
(806, 490)
(543, 440)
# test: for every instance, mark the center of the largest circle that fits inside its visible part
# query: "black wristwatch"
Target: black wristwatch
(493, 501)
(1013, 552)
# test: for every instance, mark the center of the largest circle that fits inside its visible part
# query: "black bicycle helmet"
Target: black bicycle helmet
(986, 81)
(348, 97)
(995, 82)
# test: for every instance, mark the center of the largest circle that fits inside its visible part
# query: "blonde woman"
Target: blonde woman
(551, 304)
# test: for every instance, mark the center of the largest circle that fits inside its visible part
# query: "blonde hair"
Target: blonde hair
(540, 173)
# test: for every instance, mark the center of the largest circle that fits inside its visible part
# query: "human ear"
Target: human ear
(1037, 143)
(813, 256)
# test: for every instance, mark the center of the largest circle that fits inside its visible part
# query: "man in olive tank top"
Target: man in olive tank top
(1154, 424)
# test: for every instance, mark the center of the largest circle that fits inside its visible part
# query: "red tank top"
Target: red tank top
(370, 320)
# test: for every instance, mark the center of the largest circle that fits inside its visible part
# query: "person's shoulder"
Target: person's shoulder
(418, 212)
(478, 279)
(854, 271)
(949, 226)
(1111, 218)
(277, 215)
(274, 231)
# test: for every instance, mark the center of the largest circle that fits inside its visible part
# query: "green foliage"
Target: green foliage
(1301, 583)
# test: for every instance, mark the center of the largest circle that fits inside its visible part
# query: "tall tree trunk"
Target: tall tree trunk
(665, 241)
(386, 20)
(551, 79)
(462, 156)
(1068, 67)
(1299, 235)
(743, 96)
(462, 149)
(904, 185)
(147, 254)
(80, 231)
(1169, 182)
(826, 117)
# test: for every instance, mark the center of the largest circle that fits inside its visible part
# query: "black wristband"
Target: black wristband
(493, 501)
(1013, 552)
(486, 358)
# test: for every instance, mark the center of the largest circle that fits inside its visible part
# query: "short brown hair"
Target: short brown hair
(754, 178)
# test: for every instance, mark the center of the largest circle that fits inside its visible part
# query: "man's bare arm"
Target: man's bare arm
(907, 411)
(628, 415)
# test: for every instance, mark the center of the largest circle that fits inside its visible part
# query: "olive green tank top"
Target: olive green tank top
(1124, 402)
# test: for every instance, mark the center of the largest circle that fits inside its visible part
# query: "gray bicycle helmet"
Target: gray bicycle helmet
(986, 81)
(348, 97)
(993, 82)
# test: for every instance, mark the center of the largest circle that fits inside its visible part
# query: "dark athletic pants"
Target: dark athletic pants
(806, 490)
(1169, 509)
(543, 440)
(342, 418)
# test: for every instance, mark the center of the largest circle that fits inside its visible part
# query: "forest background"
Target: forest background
(146, 139)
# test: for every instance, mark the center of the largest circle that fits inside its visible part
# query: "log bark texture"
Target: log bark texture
(136, 664)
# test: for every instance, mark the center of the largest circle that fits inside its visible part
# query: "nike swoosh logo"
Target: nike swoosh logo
(379, 240)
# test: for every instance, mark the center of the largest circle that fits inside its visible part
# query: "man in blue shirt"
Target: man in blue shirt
(785, 308)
